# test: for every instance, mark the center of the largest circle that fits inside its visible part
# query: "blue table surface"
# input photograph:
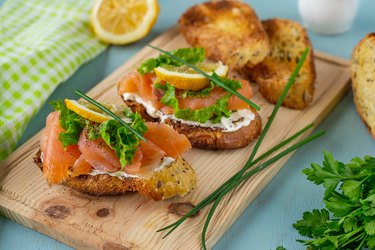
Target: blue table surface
(267, 222)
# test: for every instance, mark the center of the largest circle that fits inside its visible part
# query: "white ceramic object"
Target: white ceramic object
(328, 16)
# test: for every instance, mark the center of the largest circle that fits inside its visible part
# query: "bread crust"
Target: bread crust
(230, 31)
(363, 80)
(288, 41)
(208, 138)
(178, 178)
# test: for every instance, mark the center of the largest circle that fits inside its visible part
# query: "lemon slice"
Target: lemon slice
(123, 22)
(183, 77)
(87, 111)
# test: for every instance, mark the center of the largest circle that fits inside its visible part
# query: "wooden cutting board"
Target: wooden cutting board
(130, 221)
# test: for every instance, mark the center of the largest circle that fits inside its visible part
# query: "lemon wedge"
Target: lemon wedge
(183, 77)
(87, 111)
(123, 22)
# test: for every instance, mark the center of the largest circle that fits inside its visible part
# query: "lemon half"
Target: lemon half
(123, 21)
(183, 77)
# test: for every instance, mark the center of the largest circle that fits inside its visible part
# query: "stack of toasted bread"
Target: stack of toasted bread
(267, 52)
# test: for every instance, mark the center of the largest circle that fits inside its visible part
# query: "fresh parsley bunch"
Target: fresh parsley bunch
(349, 220)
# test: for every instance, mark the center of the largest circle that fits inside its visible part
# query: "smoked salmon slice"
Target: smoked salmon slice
(142, 85)
(56, 159)
(98, 154)
(167, 139)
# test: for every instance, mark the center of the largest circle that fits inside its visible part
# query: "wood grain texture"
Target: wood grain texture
(130, 221)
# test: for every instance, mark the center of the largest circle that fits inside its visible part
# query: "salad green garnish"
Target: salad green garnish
(118, 137)
(348, 222)
(191, 55)
(123, 141)
(213, 113)
(200, 93)
(70, 121)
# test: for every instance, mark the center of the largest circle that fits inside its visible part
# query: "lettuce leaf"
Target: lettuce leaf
(190, 55)
(200, 93)
(70, 121)
(213, 113)
(123, 141)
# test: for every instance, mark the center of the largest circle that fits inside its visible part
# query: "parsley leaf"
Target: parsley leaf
(350, 197)
(70, 121)
(190, 55)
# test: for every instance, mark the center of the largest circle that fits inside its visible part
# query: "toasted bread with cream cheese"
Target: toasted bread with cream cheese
(177, 178)
(206, 137)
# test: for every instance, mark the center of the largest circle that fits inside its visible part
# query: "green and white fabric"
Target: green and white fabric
(42, 43)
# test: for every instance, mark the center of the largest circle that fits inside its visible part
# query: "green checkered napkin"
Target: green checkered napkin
(42, 43)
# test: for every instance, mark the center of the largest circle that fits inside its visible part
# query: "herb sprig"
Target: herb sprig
(246, 172)
(348, 222)
(214, 77)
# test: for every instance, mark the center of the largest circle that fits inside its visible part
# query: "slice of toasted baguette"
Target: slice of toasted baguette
(230, 31)
(178, 178)
(288, 41)
(363, 80)
(205, 137)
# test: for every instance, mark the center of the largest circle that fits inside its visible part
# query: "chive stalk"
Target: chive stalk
(213, 79)
(109, 112)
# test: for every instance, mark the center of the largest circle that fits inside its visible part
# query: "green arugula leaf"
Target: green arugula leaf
(71, 122)
(123, 141)
(214, 113)
(190, 55)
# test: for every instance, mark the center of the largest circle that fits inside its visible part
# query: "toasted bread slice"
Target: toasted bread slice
(177, 178)
(205, 137)
(230, 31)
(288, 41)
(363, 80)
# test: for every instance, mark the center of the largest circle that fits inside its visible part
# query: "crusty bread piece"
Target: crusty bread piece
(363, 80)
(178, 178)
(230, 31)
(288, 41)
(208, 138)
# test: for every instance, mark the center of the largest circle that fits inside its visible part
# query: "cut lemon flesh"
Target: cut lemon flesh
(87, 111)
(123, 21)
(183, 77)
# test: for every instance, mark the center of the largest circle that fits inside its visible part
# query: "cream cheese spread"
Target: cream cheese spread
(238, 119)
(166, 161)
